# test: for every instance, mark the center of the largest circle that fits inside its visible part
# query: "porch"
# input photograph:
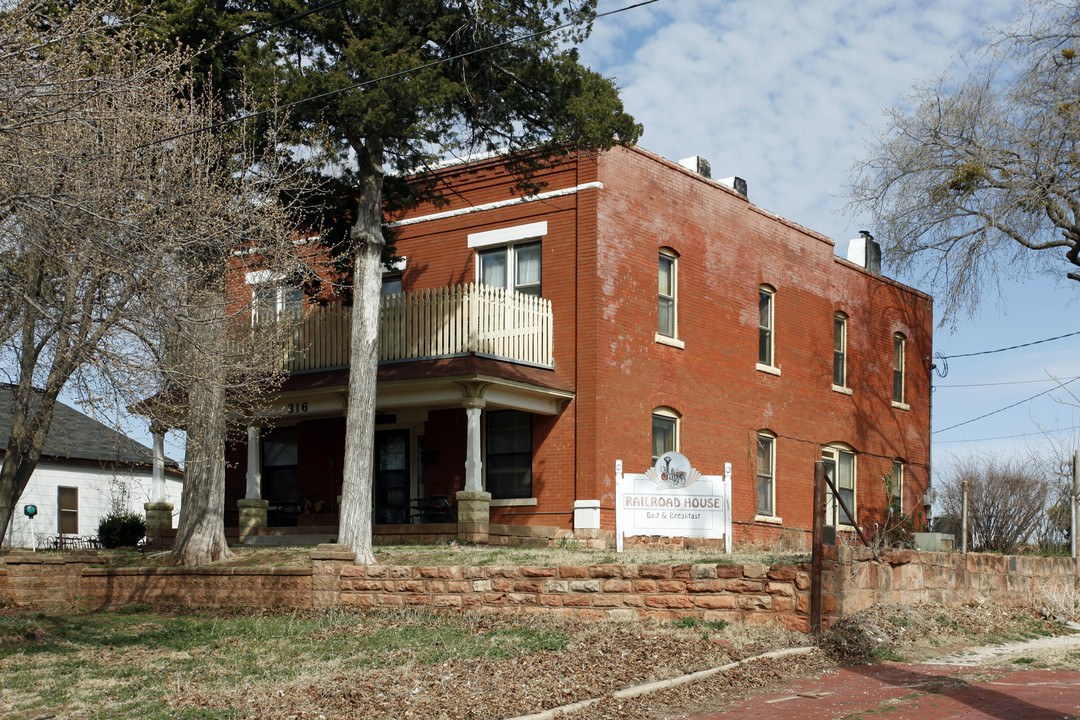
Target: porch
(443, 322)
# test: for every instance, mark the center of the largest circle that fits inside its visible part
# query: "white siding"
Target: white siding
(97, 488)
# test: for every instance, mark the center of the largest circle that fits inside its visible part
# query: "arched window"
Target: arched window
(766, 326)
(766, 474)
(667, 324)
(665, 431)
(839, 368)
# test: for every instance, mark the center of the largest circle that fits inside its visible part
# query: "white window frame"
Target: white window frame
(767, 341)
(771, 514)
(832, 507)
(899, 371)
(666, 414)
(667, 255)
(840, 328)
(393, 271)
(510, 238)
(262, 278)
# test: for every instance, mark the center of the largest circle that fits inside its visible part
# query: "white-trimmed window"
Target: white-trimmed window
(897, 485)
(899, 350)
(840, 467)
(665, 431)
(766, 316)
(67, 510)
(668, 284)
(510, 257)
(272, 297)
(766, 474)
(839, 368)
(392, 275)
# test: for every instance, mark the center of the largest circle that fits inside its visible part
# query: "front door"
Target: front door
(392, 494)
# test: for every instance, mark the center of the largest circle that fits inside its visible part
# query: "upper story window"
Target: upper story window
(840, 467)
(391, 277)
(510, 257)
(766, 479)
(839, 350)
(667, 286)
(766, 314)
(665, 432)
(899, 349)
(270, 301)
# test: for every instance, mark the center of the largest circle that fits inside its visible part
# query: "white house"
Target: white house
(87, 469)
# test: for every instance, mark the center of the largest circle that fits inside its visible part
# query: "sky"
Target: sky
(784, 94)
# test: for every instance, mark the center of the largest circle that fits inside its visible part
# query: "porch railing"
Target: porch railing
(432, 323)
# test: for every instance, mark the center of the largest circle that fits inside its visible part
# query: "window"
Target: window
(514, 267)
(840, 467)
(271, 301)
(839, 366)
(391, 284)
(665, 432)
(67, 510)
(766, 487)
(899, 341)
(666, 312)
(896, 502)
(765, 325)
(508, 464)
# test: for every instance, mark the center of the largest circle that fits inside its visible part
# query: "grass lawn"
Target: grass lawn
(133, 663)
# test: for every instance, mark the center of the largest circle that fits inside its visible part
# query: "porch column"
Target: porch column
(253, 509)
(473, 504)
(159, 510)
(473, 464)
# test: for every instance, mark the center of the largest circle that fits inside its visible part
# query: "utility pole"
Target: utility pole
(1075, 504)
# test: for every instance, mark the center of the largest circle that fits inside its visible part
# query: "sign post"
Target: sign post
(31, 511)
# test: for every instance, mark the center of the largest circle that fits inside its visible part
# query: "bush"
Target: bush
(118, 529)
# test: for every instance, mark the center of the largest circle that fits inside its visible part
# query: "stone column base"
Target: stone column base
(474, 514)
(252, 513)
(158, 515)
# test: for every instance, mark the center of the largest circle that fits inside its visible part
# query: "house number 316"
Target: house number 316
(297, 408)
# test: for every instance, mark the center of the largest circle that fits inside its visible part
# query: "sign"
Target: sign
(297, 407)
(673, 499)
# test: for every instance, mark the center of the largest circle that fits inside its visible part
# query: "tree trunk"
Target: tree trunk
(200, 534)
(368, 241)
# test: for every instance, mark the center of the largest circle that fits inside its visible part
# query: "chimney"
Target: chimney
(698, 164)
(865, 251)
(735, 183)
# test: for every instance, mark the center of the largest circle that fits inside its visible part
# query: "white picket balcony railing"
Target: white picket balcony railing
(432, 323)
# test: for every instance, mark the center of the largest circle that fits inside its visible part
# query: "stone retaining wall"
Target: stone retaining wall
(853, 580)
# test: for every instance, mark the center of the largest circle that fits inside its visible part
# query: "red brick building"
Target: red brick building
(646, 308)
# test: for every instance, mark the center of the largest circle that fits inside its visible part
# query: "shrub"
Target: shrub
(118, 529)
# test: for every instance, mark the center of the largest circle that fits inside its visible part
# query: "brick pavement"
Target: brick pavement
(902, 691)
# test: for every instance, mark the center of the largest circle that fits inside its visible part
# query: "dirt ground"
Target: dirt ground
(604, 657)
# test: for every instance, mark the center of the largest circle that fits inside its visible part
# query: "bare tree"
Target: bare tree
(112, 245)
(1007, 501)
(976, 178)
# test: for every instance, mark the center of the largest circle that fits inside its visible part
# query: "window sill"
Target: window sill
(513, 502)
(768, 519)
(900, 405)
(769, 369)
(670, 341)
(841, 389)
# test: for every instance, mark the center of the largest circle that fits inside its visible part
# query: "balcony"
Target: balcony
(432, 323)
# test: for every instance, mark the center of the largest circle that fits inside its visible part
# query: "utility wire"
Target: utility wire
(1007, 407)
(391, 76)
(1012, 347)
(994, 384)
(1009, 437)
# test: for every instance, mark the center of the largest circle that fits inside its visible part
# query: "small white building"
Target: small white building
(87, 470)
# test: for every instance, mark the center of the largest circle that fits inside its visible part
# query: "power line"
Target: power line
(1012, 347)
(1008, 437)
(1007, 407)
(391, 76)
(993, 384)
